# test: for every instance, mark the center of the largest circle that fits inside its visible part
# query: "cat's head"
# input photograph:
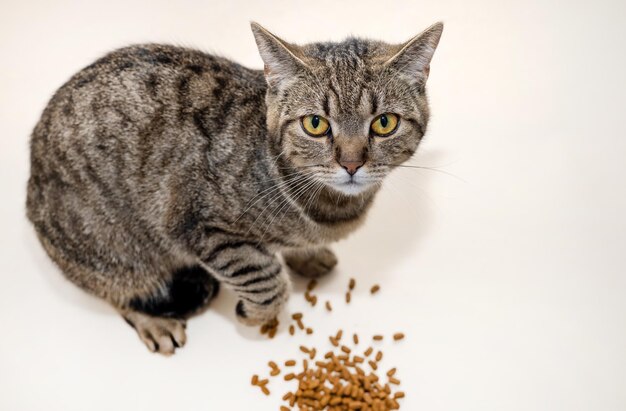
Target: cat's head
(347, 113)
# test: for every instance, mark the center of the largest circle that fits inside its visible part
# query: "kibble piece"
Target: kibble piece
(283, 408)
(375, 289)
(296, 316)
(367, 397)
(290, 363)
(304, 349)
(379, 355)
(255, 379)
(393, 380)
(378, 338)
(328, 306)
(348, 297)
(391, 372)
(275, 372)
(355, 338)
(265, 390)
(398, 336)
(311, 285)
(351, 284)
(399, 394)
(292, 329)
(270, 328)
(309, 330)
(368, 351)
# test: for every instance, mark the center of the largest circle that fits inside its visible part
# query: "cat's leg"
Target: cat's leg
(254, 274)
(189, 290)
(160, 318)
(152, 296)
(311, 262)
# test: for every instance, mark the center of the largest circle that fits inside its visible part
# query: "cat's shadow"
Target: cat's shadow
(399, 220)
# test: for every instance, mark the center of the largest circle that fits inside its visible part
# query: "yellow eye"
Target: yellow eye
(385, 124)
(315, 126)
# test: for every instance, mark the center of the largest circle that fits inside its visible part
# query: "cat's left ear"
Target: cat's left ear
(413, 58)
(281, 58)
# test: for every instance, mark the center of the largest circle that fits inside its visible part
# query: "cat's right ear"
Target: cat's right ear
(281, 58)
(413, 58)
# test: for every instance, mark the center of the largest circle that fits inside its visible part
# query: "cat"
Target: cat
(161, 173)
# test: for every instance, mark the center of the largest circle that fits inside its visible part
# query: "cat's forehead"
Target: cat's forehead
(350, 60)
(350, 50)
(347, 74)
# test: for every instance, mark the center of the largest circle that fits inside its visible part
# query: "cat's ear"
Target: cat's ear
(280, 58)
(413, 58)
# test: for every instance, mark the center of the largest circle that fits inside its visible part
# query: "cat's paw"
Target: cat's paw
(311, 264)
(251, 314)
(160, 335)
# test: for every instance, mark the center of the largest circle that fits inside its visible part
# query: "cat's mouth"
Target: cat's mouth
(350, 185)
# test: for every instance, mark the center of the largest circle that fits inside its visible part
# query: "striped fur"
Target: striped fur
(159, 172)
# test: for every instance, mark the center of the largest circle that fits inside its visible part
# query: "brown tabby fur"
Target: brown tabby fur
(159, 172)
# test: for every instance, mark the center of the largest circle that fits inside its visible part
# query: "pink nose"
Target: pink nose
(351, 166)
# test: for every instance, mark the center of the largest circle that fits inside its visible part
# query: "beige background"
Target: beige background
(508, 279)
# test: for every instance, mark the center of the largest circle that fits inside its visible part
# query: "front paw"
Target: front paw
(252, 314)
(311, 263)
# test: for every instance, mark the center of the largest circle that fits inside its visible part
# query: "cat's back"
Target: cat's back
(132, 84)
(141, 97)
(135, 118)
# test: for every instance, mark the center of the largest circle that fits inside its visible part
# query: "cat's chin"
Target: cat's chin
(351, 188)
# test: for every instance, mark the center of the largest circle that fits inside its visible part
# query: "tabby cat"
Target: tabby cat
(160, 173)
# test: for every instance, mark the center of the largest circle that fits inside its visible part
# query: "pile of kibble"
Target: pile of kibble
(339, 380)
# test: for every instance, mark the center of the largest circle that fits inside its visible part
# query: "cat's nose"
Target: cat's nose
(351, 166)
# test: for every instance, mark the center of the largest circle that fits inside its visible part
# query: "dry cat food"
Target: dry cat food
(312, 299)
(261, 384)
(297, 317)
(270, 328)
(342, 379)
(337, 382)
(274, 367)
